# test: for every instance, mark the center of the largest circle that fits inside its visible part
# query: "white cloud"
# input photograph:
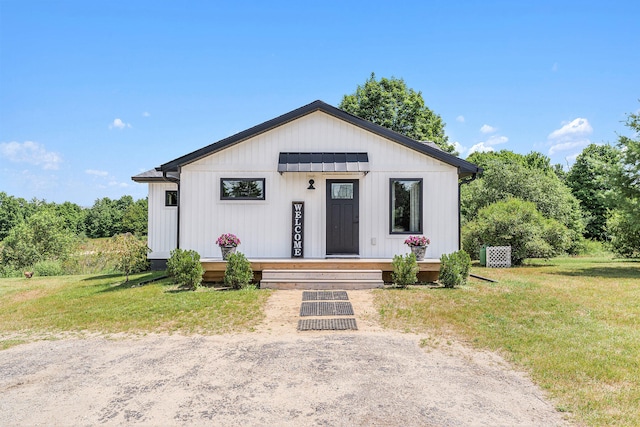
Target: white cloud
(487, 129)
(96, 172)
(496, 140)
(563, 146)
(459, 148)
(554, 67)
(105, 180)
(119, 124)
(572, 135)
(460, 119)
(115, 183)
(484, 146)
(481, 148)
(30, 152)
(574, 128)
(146, 114)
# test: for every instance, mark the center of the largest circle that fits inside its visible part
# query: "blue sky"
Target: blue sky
(93, 92)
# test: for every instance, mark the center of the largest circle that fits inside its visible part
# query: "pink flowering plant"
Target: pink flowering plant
(417, 241)
(228, 240)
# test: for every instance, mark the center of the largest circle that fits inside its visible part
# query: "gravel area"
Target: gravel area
(273, 376)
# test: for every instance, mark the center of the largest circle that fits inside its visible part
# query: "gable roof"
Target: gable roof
(464, 168)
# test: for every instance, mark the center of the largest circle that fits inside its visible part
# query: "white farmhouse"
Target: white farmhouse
(314, 188)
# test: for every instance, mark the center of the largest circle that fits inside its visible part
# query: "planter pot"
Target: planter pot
(226, 251)
(419, 252)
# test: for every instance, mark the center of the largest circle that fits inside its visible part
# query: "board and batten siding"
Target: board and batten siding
(264, 226)
(162, 221)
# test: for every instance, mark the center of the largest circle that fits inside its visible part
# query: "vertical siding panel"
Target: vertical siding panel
(162, 222)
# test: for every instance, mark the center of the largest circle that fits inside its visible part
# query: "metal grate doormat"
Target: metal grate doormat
(324, 295)
(327, 325)
(326, 308)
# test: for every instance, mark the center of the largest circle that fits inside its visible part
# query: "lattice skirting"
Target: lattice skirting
(499, 256)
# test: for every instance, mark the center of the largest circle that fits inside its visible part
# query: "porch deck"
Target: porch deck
(215, 267)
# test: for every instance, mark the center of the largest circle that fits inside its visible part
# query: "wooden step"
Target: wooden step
(321, 279)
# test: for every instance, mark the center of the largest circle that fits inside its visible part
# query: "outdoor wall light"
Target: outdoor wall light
(311, 187)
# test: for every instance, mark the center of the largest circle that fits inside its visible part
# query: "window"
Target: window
(242, 189)
(171, 198)
(406, 205)
(342, 190)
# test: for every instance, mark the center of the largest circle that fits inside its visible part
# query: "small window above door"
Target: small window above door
(342, 190)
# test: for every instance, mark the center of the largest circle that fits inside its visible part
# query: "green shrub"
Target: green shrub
(454, 269)
(238, 274)
(185, 268)
(43, 236)
(518, 224)
(48, 268)
(593, 248)
(405, 270)
(8, 270)
(624, 228)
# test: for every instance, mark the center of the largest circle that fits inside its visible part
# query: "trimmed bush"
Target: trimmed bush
(185, 268)
(238, 274)
(454, 269)
(405, 270)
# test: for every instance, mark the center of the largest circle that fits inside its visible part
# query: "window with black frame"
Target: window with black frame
(171, 198)
(406, 205)
(242, 189)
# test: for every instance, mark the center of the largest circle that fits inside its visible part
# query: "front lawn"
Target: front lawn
(572, 323)
(42, 307)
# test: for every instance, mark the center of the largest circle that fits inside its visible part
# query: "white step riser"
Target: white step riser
(346, 275)
(323, 276)
(319, 285)
(321, 279)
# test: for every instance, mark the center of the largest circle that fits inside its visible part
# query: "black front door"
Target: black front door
(343, 217)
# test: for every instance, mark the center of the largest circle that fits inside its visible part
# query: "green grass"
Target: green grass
(572, 323)
(44, 307)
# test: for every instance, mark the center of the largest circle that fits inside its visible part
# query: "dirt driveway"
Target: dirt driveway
(274, 376)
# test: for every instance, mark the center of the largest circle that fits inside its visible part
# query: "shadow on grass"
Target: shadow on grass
(136, 283)
(604, 272)
(101, 277)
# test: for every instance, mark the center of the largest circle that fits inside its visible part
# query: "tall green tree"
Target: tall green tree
(135, 218)
(105, 217)
(13, 211)
(74, 216)
(624, 223)
(102, 219)
(390, 103)
(532, 160)
(589, 180)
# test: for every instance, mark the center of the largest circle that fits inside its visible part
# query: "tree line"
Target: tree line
(105, 218)
(43, 236)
